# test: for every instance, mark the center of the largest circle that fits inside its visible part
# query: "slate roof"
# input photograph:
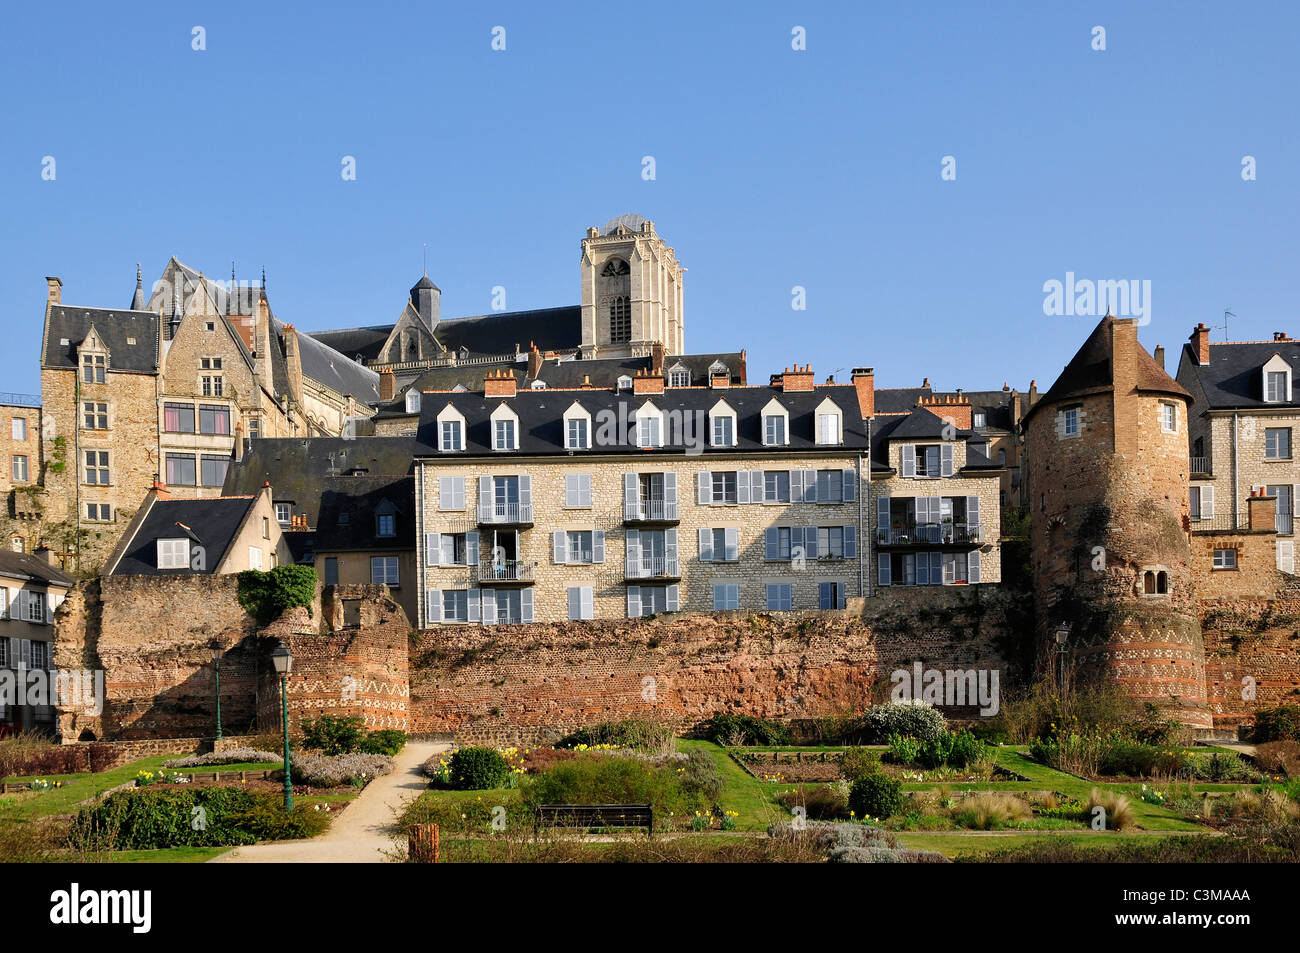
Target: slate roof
(298, 467)
(541, 415)
(361, 499)
(994, 404)
(212, 523)
(899, 400)
(1233, 380)
(327, 366)
(30, 567)
(921, 424)
(1091, 371)
(115, 327)
(361, 344)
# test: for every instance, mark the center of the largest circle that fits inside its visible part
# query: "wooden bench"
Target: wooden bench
(587, 816)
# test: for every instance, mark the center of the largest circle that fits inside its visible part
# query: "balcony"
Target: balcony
(505, 514)
(650, 511)
(911, 533)
(652, 569)
(1199, 465)
(507, 572)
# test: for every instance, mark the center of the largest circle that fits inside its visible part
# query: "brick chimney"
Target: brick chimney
(647, 383)
(955, 410)
(160, 489)
(864, 379)
(534, 361)
(239, 441)
(387, 384)
(656, 358)
(45, 555)
(1200, 339)
(499, 383)
(799, 379)
(55, 286)
(1280, 336)
(720, 379)
(1159, 355)
(1261, 511)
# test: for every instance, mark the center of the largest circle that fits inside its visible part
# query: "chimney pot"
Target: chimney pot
(1200, 339)
(55, 288)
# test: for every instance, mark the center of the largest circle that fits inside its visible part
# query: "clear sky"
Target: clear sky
(774, 168)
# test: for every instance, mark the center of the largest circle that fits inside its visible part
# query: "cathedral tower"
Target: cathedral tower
(631, 291)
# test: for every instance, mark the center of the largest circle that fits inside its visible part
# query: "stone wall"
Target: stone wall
(1252, 655)
(529, 684)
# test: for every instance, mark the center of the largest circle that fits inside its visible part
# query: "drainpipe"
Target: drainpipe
(1235, 472)
(420, 607)
(864, 499)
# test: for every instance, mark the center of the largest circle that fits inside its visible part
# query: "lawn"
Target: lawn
(741, 792)
(28, 805)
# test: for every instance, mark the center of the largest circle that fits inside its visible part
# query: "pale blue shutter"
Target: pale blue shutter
(796, 486)
(485, 501)
(909, 459)
(850, 542)
(973, 518)
(571, 490)
(731, 537)
(633, 602)
(670, 494)
(432, 549)
(922, 569)
(526, 604)
(973, 567)
(672, 600)
(796, 542)
(633, 551)
(742, 486)
(432, 605)
(471, 547)
(598, 546)
(670, 552)
(526, 497)
(706, 544)
(631, 508)
(472, 605)
(704, 487)
(771, 543)
(810, 541)
(446, 495)
(850, 486)
(575, 602)
(883, 527)
(559, 546)
(936, 569)
(489, 601)
(810, 486)
(945, 459)
(588, 602)
(458, 492)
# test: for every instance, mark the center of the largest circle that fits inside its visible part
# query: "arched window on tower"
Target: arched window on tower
(1149, 583)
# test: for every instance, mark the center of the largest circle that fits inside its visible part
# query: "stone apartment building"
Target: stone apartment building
(550, 504)
(20, 470)
(31, 589)
(163, 391)
(1244, 416)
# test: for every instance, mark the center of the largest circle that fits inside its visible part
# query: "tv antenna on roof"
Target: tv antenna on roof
(1226, 315)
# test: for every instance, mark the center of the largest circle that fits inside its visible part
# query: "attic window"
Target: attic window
(412, 401)
(538, 385)
(978, 419)
(679, 376)
(130, 340)
(1277, 380)
(174, 554)
(625, 383)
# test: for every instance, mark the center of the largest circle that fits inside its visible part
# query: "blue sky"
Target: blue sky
(774, 168)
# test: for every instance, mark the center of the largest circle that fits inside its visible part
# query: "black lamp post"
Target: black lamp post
(282, 659)
(1062, 637)
(217, 652)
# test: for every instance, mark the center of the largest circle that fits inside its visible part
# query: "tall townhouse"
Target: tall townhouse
(936, 498)
(20, 468)
(31, 589)
(545, 504)
(1242, 426)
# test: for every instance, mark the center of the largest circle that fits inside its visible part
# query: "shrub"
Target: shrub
(322, 771)
(28, 753)
(903, 749)
(966, 750)
(1277, 724)
(724, 729)
(1220, 766)
(1119, 812)
(855, 762)
(641, 734)
(875, 795)
(266, 595)
(600, 779)
(330, 735)
(459, 814)
(821, 802)
(388, 741)
(934, 752)
(475, 769)
(1153, 729)
(233, 756)
(914, 721)
(701, 774)
(990, 811)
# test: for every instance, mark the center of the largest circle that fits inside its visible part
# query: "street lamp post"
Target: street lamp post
(282, 659)
(216, 668)
(1062, 637)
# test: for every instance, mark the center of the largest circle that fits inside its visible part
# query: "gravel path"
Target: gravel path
(364, 831)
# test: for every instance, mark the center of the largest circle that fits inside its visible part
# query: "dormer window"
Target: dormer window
(722, 425)
(679, 376)
(385, 525)
(776, 424)
(538, 385)
(649, 426)
(412, 401)
(505, 429)
(978, 419)
(174, 553)
(451, 430)
(1277, 381)
(829, 423)
(625, 383)
(577, 428)
(93, 367)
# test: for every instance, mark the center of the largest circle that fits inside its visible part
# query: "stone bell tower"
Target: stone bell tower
(632, 295)
(1107, 459)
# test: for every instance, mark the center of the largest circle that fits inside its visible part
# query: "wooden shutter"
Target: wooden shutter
(632, 555)
(945, 459)
(922, 569)
(673, 598)
(575, 602)
(471, 547)
(810, 548)
(598, 546)
(973, 567)
(631, 502)
(559, 546)
(883, 570)
(1286, 555)
(525, 494)
(433, 549)
(704, 486)
(796, 486)
(771, 543)
(633, 602)
(973, 517)
(485, 498)
(1207, 502)
(742, 486)
(731, 537)
(909, 459)
(670, 491)
(526, 604)
(883, 528)
(850, 486)
(706, 544)
(850, 542)
(796, 541)
(488, 600)
(756, 488)
(432, 605)
(670, 549)
(810, 486)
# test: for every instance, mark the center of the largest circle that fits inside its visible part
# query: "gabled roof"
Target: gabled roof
(327, 366)
(298, 467)
(922, 423)
(361, 498)
(116, 328)
(211, 523)
(899, 400)
(29, 567)
(541, 415)
(1233, 379)
(1091, 370)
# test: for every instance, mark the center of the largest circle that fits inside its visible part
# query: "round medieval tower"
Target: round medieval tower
(1107, 455)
